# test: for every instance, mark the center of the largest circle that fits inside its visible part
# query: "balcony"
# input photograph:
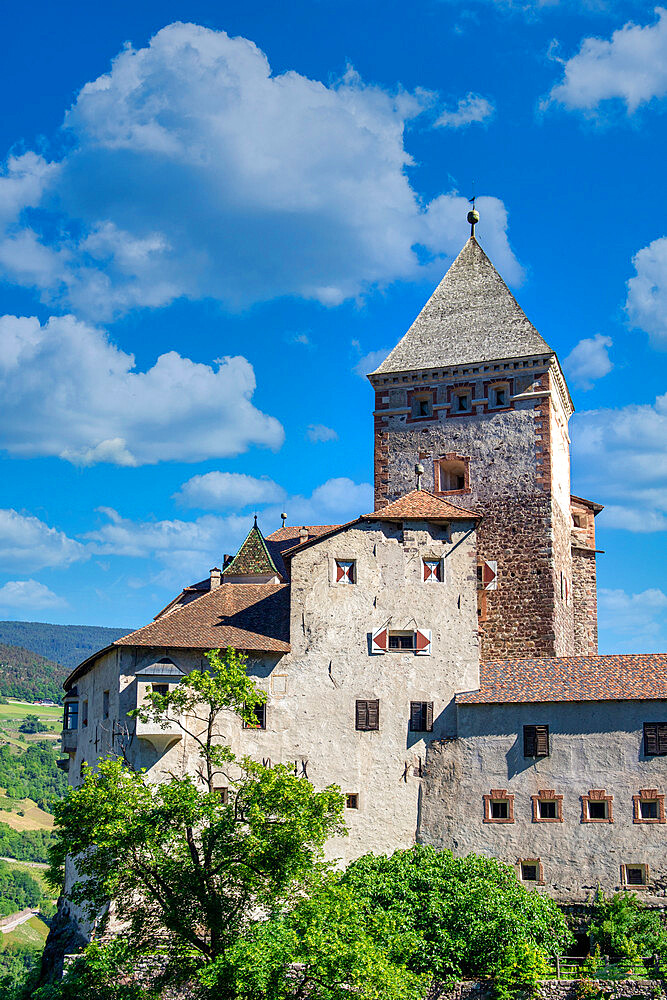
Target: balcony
(69, 740)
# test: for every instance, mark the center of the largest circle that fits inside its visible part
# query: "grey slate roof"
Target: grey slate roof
(471, 316)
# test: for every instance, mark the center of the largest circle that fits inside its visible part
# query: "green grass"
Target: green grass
(30, 935)
(18, 710)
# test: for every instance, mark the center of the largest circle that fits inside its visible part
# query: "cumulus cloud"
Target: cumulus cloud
(470, 109)
(28, 544)
(630, 67)
(68, 391)
(192, 170)
(29, 596)
(319, 432)
(635, 621)
(370, 361)
(646, 303)
(219, 490)
(619, 457)
(589, 360)
(182, 551)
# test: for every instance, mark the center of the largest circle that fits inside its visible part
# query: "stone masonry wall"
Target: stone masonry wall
(556, 989)
(585, 597)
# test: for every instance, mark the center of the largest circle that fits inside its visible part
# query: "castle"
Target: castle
(435, 657)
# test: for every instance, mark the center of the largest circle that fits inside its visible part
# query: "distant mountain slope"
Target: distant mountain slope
(64, 644)
(28, 676)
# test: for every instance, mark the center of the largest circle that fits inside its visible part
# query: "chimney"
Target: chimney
(303, 534)
(216, 578)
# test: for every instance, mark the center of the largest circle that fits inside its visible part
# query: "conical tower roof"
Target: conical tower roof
(253, 558)
(471, 316)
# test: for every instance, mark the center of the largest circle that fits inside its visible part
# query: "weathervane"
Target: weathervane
(473, 215)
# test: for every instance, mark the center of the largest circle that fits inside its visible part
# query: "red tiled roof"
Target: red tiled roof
(418, 505)
(571, 678)
(252, 616)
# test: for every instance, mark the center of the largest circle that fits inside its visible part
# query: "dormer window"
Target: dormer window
(346, 571)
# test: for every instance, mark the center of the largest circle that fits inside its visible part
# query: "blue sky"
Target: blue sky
(214, 216)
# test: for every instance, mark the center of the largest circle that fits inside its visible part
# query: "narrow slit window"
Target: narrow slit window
(84, 715)
(105, 704)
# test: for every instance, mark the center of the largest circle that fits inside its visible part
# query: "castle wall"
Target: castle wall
(585, 597)
(591, 747)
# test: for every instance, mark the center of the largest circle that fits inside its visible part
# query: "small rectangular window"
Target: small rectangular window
(345, 571)
(635, 875)
(259, 722)
(71, 720)
(105, 704)
(500, 810)
(84, 715)
(597, 809)
(402, 640)
(433, 570)
(421, 716)
(352, 800)
(499, 397)
(547, 810)
(529, 872)
(161, 689)
(648, 809)
(222, 791)
(367, 715)
(536, 741)
(462, 402)
(655, 739)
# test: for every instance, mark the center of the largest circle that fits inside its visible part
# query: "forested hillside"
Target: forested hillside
(28, 676)
(64, 644)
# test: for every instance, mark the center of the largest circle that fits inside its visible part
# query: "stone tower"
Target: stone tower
(474, 394)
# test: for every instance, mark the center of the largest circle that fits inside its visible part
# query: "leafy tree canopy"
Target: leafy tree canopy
(623, 927)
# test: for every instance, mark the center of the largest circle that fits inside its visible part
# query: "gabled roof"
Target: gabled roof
(571, 678)
(288, 536)
(420, 505)
(253, 558)
(471, 316)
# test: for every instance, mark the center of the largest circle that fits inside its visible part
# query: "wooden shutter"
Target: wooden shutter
(423, 642)
(340, 572)
(361, 719)
(655, 738)
(429, 716)
(536, 741)
(367, 715)
(490, 574)
(373, 714)
(379, 640)
(662, 737)
(415, 716)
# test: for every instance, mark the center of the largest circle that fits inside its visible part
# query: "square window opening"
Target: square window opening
(452, 475)
(259, 721)
(598, 810)
(648, 809)
(500, 809)
(635, 875)
(499, 396)
(547, 810)
(346, 571)
(161, 689)
(352, 800)
(222, 791)
(462, 402)
(402, 641)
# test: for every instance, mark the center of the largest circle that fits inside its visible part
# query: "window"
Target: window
(161, 689)
(105, 704)
(421, 716)
(499, 396)
(487, 574)
(71, 720)
(222, 791)
(536, 741)
(528, 872)
(498, 806)
(462, 401)
(634, 874)
(367, 715)
(433, 570)
(452, 475)
(648, 806)
(259, 722)
(565, 589)
(597, 807)
(352, 800)
(655, 739)
(402, 640)
(422, 406)
(84, 715)
(547, 806)
(345, 571)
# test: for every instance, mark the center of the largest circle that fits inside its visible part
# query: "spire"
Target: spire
(471, 317)
(253, 558)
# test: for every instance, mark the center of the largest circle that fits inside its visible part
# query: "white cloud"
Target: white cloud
(370, 361)
(630, 67)
(647, 292)
(635, 621)
(619, 458)
(28, 595)
(26, 543)
(219, 490)
(471, 108)
(193, 171)
(319, 432)
(182, 551)
(68, 391)
(589, 360)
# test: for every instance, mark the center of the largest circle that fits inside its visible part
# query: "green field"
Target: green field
(13, 714)
(28, 936)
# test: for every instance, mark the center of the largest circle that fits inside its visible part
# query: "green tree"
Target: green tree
(31, 724)
(623, 927)
(178, 856)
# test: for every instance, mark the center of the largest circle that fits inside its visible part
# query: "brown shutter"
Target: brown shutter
(373, 714)
(542, 741)
(415, 716)
(655, 738)
(362, 715)
(429, 716)
(427, 570)
(379, 640)
(662, 737)
(529, 741)
(340, 572)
